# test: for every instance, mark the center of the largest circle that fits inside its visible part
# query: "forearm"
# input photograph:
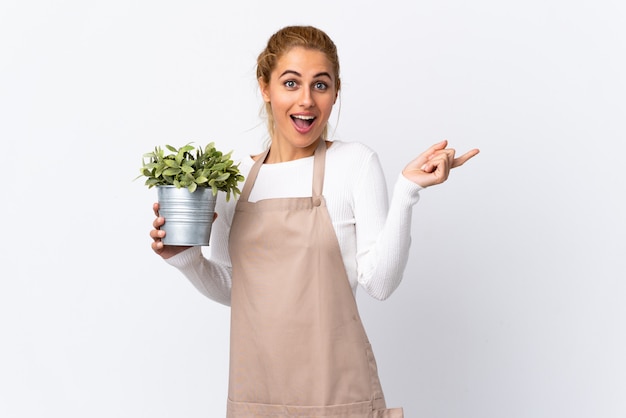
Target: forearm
(211, 278)
(381, 268)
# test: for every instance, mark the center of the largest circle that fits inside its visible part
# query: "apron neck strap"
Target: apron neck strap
(319, 165)
(318, 173)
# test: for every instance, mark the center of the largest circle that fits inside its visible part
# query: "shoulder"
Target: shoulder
(353, 156)
(352, 165)
(341, 148)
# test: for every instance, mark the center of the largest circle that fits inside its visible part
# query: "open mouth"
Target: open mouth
(303, 121)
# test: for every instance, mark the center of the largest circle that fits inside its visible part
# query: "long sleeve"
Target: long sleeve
(210, 278)
(383, 230)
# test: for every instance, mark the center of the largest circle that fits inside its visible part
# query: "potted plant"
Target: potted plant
(187, 181)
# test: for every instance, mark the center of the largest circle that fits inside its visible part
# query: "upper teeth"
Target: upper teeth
(304, 117)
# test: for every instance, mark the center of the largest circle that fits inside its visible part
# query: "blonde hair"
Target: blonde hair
(284, 40)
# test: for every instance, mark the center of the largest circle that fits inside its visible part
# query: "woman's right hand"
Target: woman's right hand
(165, 251)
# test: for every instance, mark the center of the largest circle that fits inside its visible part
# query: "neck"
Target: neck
(280, 154)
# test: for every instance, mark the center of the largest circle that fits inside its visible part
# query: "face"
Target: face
(301, 93)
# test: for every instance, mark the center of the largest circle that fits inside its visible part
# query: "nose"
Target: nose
(306, 97)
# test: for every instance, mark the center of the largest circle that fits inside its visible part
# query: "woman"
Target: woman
(312, 224)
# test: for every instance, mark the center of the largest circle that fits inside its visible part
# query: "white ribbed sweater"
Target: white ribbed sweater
(374, 235)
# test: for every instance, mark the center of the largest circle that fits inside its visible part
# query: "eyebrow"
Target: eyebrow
(322, 74)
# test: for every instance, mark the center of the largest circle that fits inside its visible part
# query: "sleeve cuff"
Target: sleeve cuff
(185, 258)
(407, 191)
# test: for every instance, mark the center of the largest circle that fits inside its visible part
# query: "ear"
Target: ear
(264, 87)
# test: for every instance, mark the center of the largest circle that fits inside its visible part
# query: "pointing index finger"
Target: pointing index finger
(465, 157)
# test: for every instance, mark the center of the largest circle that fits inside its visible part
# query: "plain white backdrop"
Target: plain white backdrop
(513, 302)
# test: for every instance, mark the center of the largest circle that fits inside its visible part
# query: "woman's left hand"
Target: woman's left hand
(433, 165)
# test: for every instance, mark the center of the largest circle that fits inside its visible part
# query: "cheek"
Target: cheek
(279, 104)
(326, 104)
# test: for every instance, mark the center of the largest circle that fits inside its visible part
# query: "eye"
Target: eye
(290, 84)
(321, 86)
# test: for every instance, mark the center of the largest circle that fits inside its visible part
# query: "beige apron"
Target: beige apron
(298, 348)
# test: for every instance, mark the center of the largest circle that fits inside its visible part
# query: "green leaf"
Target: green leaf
(187, 169)
(186, 148)
(171, 171)
(171, 163)
(219, 167)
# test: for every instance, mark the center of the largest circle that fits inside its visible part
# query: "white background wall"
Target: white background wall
(513, 300)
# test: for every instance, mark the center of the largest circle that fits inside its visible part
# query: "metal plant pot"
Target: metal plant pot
(188, 216)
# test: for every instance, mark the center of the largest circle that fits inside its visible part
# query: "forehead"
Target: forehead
(303, 61)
